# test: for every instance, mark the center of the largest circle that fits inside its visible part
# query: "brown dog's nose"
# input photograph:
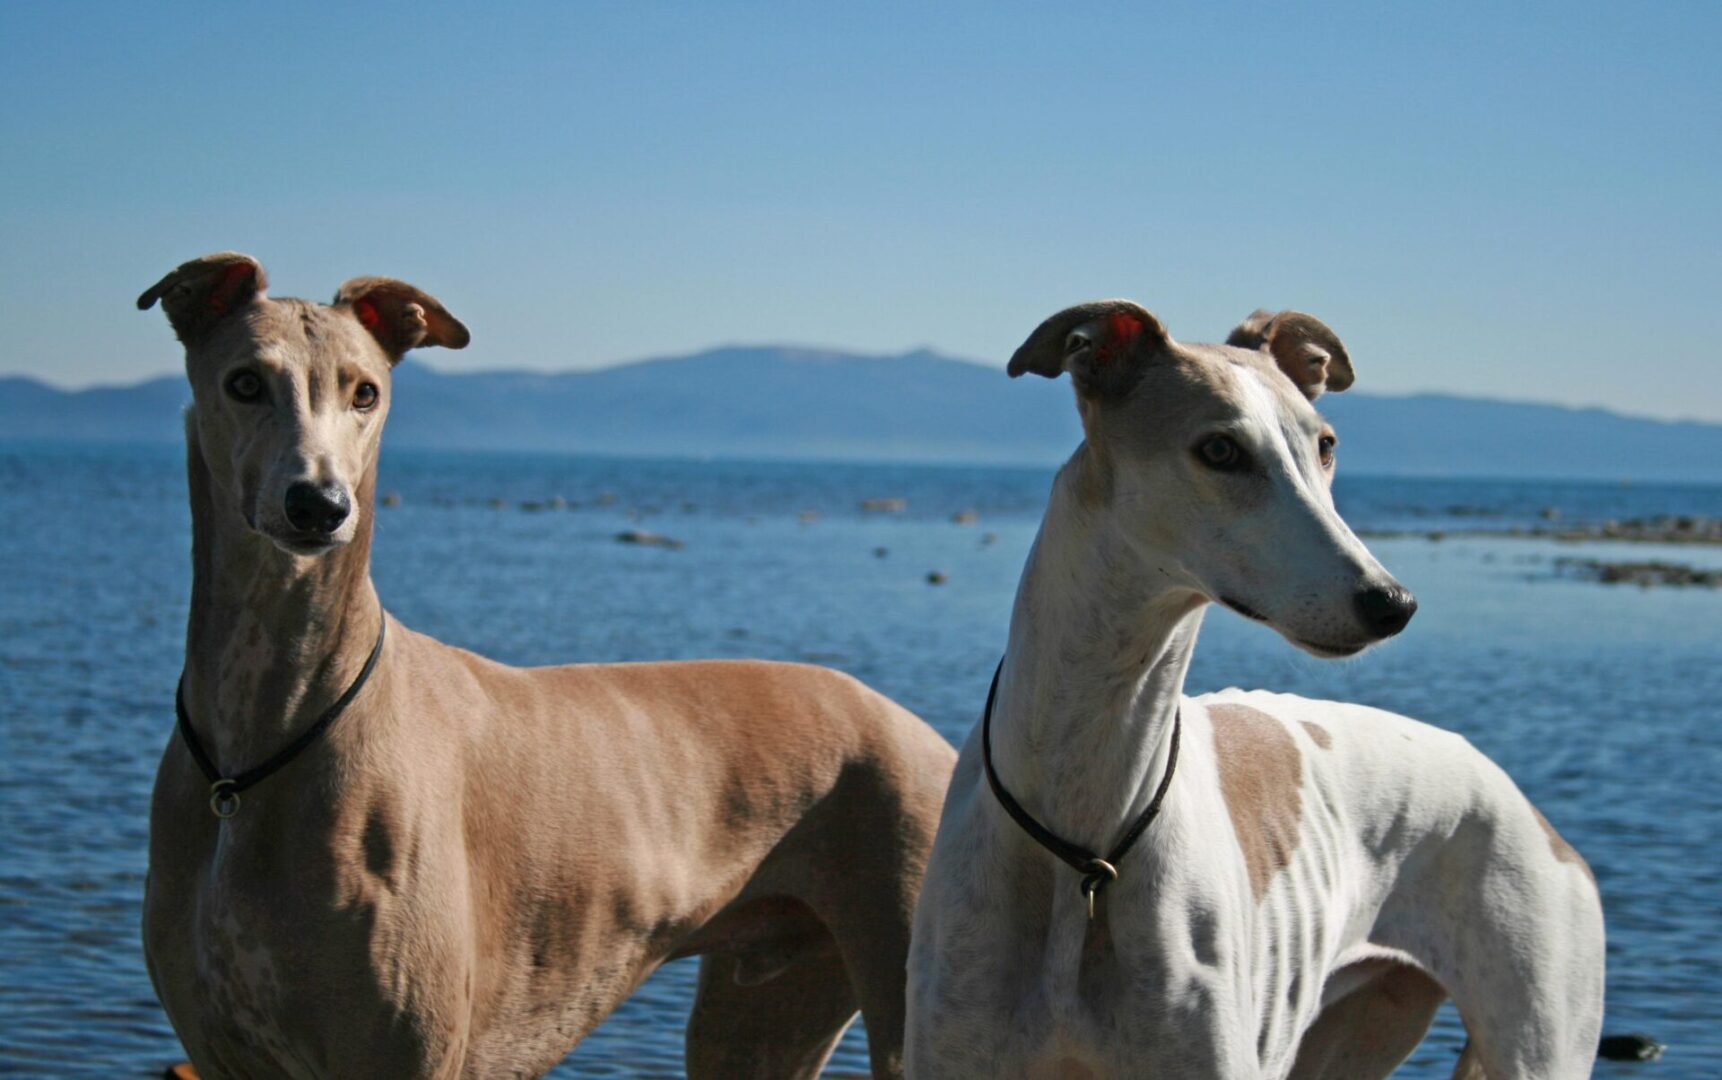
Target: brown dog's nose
(1386, 611)
(316, 508)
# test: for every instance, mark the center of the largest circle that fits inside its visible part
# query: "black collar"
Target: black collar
(1097, 872)
(224, 791)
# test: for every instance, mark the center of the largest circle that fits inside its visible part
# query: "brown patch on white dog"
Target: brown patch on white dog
(1318, 734)
(1564, 852)
(1261, 779)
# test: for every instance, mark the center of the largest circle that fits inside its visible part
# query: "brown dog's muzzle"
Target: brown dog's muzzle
(316, 509)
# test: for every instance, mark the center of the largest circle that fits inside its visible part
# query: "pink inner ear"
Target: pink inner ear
(367, 313)
(1122, 329)
(221, 297)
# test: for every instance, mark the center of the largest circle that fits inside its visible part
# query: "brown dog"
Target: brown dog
(468, 870)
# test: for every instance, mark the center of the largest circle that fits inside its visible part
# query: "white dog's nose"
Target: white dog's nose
(1386, 610)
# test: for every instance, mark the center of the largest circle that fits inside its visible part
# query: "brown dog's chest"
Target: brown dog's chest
(263, 939)
(223, 967)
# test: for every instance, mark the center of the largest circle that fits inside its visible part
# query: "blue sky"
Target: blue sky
(1516, 203)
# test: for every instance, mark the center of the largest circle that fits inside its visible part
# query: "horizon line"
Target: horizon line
(418, 358)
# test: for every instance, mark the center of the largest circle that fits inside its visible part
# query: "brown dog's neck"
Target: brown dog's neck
(1093, 676)
(273, 639)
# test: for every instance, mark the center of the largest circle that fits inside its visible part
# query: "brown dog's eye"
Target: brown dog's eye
(1221, 452)
(1325, 445)
(244, 386)
(365, 397)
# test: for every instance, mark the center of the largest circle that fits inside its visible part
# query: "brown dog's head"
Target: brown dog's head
(289, 396)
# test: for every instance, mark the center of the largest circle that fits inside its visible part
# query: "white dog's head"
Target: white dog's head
(1213, 466)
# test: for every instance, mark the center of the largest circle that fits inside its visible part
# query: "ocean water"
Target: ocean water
(1601, 701)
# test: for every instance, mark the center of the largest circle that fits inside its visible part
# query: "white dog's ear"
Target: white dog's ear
(401, 316)
(1303, 346)
(1104, 345)
(198, 294)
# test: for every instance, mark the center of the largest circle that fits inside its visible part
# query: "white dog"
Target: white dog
(1257, 885)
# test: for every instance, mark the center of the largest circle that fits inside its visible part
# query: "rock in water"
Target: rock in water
(647, 539)
(1632, 1047)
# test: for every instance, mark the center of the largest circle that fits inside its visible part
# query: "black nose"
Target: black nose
(316, 508)
(1386, 611)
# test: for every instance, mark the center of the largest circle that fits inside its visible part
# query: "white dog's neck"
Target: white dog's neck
(272, 639)
(1093, 675)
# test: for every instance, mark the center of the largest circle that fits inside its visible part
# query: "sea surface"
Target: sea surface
(1602, 701)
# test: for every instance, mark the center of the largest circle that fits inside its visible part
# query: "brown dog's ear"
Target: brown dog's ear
(198, 294)
(401, 316)
(1303, 346)
(1103, 344)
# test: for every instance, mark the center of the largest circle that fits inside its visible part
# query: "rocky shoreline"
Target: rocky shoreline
(1643, 574)
(1662, 529)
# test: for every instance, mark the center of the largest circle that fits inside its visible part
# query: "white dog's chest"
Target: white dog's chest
(1166, 1005)
(1187, 971)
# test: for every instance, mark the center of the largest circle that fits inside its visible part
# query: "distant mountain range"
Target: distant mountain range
(776, 402)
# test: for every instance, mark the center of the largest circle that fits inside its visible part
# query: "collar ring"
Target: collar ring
(224, 799)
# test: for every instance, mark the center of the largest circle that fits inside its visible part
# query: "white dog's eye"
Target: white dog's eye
(1325, 446)
(365, 397)
(1221, 452)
